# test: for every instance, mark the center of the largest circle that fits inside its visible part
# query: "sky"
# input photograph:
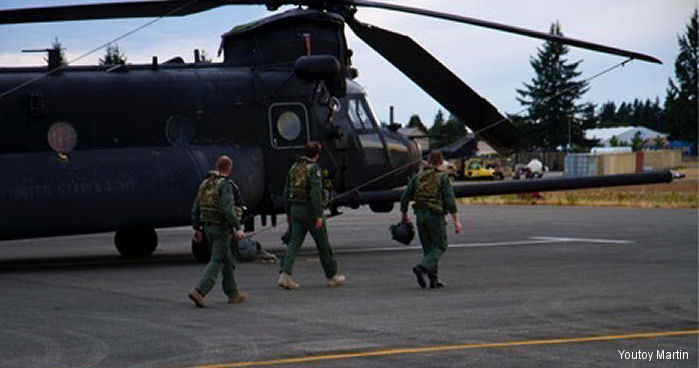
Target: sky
(491, 62)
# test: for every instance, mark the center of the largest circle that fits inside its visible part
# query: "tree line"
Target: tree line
(556, 118)
(112, 56)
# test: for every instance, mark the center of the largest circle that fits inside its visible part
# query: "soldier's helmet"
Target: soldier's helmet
(403, 232)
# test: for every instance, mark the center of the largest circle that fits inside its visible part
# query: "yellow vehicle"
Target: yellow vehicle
(478, 169)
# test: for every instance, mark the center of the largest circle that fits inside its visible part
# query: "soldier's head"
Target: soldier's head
(224, 165)
(435, 158)
(312, 150)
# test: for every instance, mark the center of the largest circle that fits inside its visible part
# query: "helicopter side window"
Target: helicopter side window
(288, 125)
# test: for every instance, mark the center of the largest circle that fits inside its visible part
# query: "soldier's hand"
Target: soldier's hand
(239, 234)
(404, 217)
(288, 219)
(197, 236)
(319, 223)
(457, 225)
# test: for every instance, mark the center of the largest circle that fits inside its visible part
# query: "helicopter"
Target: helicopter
(123, 148)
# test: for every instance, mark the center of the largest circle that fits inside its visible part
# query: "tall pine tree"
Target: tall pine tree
(60, 53)
(681, 100)
(551, 96)
(113, 56)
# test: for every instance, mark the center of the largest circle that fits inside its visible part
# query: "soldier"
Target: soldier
(434, 198)
(303, 194)
(214, 213)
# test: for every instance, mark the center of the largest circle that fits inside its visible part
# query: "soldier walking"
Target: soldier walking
(303, 194)
(213, 212)
(434, 198)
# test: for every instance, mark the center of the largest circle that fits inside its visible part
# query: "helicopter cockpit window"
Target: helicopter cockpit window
(352, 112)
(288, 125)
(360, 114)
(363, 116)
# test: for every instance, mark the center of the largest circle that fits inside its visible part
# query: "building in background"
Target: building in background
(418, 135)
(624, 135)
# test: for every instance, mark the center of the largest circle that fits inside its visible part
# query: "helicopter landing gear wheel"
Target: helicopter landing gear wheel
(201, 250)
(136, 241)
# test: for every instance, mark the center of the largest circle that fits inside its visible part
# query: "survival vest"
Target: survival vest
(299, 183)
(210, 199)
(428, 193)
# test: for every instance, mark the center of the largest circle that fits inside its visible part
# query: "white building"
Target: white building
(623, 134)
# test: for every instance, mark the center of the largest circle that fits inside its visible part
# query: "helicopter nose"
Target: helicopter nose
(405, 156)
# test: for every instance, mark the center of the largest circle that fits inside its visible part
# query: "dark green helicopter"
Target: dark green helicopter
(91, 149)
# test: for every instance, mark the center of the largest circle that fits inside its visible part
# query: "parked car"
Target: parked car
(476, 169)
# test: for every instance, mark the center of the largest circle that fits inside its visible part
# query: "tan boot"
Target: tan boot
(237, 298)
(197, 298)
(286, 281)
(336, 280)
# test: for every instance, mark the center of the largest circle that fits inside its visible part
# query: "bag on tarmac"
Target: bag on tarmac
(246, 250)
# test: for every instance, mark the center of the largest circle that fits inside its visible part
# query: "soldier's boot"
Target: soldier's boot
(420, 273)
(286, 281)
(435, 282)
(197, 298)
(237, 298)
(336, 280)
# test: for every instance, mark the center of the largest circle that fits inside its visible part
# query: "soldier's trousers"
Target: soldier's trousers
(302, 222)
(219, 237)
(432, 229)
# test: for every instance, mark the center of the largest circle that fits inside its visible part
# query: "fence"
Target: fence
(585, 164)
(554, 160)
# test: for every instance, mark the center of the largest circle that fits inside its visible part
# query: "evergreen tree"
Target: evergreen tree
(415, 122)
(113, 56)
(551, 96)
(681, 100)
(56, 45)
(637, 113)
(607, 114)
(436, 130)
(453, 129)
(637, 142)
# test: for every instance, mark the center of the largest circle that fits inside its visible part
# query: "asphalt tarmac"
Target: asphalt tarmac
(526, 287)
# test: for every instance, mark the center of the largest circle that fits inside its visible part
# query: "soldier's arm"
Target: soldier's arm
(448, 195)
(316, 191)
(196, 224)
(407, 195)
(449, 201)
(287, 204)
(227, 203)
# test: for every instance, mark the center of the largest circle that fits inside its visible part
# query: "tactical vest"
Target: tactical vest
(210, 200)
(428, 193)
(299, 183)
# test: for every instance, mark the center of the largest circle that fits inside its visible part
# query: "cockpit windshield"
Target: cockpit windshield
(359, 113)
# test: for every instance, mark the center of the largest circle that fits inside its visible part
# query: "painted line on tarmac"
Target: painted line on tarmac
(532, 241)
(454, 347)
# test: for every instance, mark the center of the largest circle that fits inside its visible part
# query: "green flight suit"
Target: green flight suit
(434, 198)
(303, 194)
(214, 213)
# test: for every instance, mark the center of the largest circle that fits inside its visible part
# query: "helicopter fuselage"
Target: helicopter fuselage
(87, 149)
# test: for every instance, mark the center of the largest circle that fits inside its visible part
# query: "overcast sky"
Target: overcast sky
(493, 63)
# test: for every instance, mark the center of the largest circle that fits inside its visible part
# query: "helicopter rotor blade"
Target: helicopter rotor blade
(440, 83)
(509, 29)
(140, 9)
